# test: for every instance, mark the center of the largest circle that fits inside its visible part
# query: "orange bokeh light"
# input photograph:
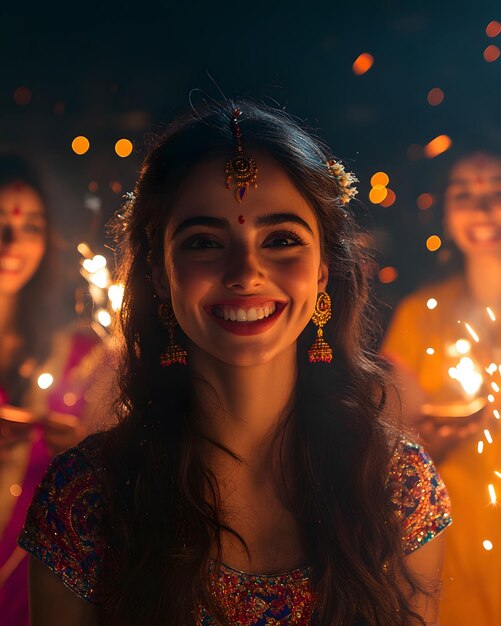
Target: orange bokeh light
(123, 147)
(435, 96)
(115, 186)
(93, 186)
(437, 146)
(425, 201)
(390, 198)
(363, 63)
(380, 178)
(387, 275)
(491, 53)
(22, 96)
(433, 243)
(80, 145)
(377, 194)
(493, 29)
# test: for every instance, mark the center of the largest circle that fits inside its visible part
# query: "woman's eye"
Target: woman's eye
(33, 229)
(201, 243)
(284, 240)
(462, 197)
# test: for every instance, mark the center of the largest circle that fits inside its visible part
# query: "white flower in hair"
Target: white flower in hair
(346, 180)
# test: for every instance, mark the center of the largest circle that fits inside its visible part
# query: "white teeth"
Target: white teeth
(10, 264)
(251, 314)
(485, 233)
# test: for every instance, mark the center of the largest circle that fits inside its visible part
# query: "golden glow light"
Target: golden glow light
(103, 317)
(45, 380)
(496, 414)
(432, 303)
(492, 493)
(123, 148)
(472, 332)
(363, 63)
(480, 447)
(488, 435)
(430, 351)
(463, 346)
(468, 375)
(380, 178)
(491, 314)
(80, 145)
(116, 294)
(433, 243)
(437, 146)
(487, 545)
(377, 194)
(495, 386)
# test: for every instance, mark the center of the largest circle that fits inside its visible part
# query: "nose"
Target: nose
(244, 270)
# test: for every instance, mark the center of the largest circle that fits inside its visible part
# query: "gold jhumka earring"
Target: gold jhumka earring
(174, 353)
(320, 351)
(241, 169)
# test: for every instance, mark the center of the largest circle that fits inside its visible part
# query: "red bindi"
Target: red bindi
(16, 210)
(241, 219)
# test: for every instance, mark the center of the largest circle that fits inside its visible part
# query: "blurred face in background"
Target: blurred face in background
(473, 205)
(23, 229)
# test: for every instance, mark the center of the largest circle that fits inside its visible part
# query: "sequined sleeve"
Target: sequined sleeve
(419, 496)
(63, 527)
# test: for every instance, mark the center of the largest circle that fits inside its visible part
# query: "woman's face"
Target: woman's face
(243, 278)
(22, 236)
(473, 206)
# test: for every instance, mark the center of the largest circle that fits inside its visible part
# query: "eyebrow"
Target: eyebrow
(466, 181)
(271, 219)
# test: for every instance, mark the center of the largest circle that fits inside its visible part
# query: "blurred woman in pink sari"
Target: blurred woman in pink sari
(44, 368)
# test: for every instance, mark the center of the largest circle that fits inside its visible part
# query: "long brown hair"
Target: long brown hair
(163, 524)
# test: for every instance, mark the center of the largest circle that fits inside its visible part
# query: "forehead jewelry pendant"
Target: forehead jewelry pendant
(241, 170)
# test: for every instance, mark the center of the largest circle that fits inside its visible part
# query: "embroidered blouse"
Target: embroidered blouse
(64, 530)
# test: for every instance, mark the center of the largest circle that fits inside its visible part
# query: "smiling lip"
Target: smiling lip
(10, 264)
(244, 327)
(484, 234)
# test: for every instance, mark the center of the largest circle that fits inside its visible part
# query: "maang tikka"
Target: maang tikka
(320, 351)
(241, 169)
(174, 353)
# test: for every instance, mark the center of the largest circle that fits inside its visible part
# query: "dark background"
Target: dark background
(109, 71)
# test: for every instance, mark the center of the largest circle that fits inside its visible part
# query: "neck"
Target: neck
(7, 314)
(244, 406)
(483, 277)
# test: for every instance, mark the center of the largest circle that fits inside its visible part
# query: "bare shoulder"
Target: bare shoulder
(52, 603)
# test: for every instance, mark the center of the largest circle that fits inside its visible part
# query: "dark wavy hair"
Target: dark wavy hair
(165, 515)
(35, 316)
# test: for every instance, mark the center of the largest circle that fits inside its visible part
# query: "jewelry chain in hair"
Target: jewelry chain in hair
(241, 170)
(346, 180)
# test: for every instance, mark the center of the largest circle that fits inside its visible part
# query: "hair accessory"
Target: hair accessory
(320, 351)
(241, 169)
(174, 353)
(344, 179)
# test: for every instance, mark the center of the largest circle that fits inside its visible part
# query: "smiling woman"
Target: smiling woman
(39, 361)
(257, 474)
(452, 416)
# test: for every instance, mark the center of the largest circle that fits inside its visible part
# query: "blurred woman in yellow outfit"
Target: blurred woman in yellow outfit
(446, 388)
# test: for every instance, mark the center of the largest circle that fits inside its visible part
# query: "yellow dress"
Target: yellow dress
(425, 341)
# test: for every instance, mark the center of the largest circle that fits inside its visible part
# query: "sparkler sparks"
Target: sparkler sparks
(492, 494)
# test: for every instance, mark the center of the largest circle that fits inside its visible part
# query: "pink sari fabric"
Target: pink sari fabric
(14, 609)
